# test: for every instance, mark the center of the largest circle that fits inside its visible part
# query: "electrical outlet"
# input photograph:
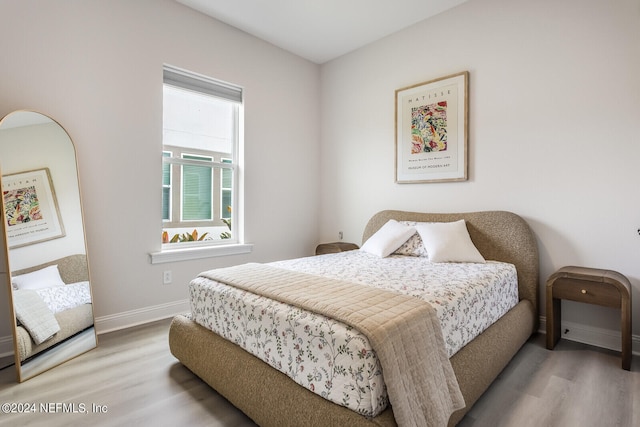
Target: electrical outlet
(340, 235)
(166, 277)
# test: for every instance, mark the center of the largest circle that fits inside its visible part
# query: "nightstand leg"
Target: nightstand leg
(626, 333)
(554, 310)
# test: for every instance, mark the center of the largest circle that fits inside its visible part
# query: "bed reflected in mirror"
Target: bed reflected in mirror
(49, 280)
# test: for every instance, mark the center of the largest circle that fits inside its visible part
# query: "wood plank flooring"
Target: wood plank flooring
(132, 379)
(573, 385)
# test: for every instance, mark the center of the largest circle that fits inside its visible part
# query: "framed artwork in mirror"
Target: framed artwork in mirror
(431, 130)
(31, 208)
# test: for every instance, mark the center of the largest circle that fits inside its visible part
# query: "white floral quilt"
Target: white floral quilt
(330, 358)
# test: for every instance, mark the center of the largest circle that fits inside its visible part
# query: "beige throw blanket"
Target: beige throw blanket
(404, 332)
(34, 315)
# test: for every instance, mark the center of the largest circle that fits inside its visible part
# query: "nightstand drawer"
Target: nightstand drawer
(584, 291)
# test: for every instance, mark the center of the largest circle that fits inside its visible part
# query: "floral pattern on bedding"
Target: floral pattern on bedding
(332, 359)
(413, 246)
(61, 298)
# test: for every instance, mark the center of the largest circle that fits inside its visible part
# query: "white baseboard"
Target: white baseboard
(6, 346)
(114, 322)
(140, 316)
(597, 337)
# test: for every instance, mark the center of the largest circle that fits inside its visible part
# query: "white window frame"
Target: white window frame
(235, 245)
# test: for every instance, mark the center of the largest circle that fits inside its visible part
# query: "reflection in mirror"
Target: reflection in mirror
(46, 247)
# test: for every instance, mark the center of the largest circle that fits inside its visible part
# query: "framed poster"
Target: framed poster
(431, 130)
(31, 208)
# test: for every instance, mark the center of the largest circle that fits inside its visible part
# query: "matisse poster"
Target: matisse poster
(431, 131)
(31, 208)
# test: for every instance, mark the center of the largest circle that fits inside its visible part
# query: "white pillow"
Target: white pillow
(448, 242)
(388, 238)
(43, 278)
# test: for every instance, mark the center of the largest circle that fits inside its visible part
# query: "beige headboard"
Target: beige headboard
(73, 268)
(498, 235)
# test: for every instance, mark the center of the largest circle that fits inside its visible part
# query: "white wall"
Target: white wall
(554, 102)
(96, 67)
(553, 132)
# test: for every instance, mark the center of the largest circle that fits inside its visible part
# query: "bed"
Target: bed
(249, 383)
(71, 304)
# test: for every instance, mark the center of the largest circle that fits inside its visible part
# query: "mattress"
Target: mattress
(334, 360)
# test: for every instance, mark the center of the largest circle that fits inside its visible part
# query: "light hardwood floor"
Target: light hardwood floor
(135, 379)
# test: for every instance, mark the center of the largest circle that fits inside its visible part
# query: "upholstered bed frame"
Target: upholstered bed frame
(270, 398)
(72, 268)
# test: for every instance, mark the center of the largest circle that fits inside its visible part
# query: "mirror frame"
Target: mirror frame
(86, 338)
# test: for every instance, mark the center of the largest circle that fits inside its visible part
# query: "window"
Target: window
(201, 128)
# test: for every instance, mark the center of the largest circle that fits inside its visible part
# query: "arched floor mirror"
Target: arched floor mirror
(49, 287)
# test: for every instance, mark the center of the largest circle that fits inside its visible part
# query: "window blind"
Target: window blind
(187, 80)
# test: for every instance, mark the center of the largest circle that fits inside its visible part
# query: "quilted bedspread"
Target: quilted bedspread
(404, 332)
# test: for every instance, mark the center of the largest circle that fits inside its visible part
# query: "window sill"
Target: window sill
(185, 254)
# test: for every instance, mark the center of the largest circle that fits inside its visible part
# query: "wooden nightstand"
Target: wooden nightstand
(593, 286)
(330, 248)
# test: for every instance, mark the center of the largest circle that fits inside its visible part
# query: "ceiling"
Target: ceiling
(321, 30)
